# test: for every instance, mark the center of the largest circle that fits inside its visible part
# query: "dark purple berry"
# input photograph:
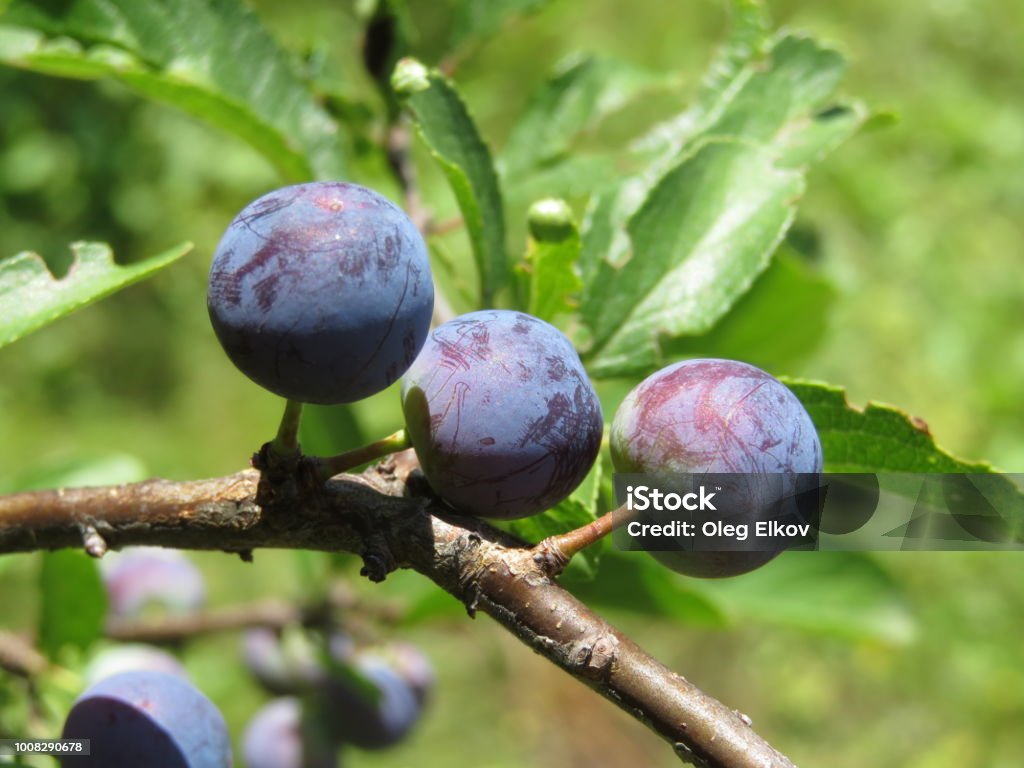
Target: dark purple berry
(266, 661)
(717, 416)
(411, 664)
(141, 578)
(368, 704)
(288, 665)
(279, 737)
(849, 501)
(321, 292)
(131, 657)
(501, 413)
(147, 718)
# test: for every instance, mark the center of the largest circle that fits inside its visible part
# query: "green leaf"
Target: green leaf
(211, 58)
(476, 20)
(767, 99)
(636, 583)
(551, 257)
(819, 134)
(581, 93)
(762, 330)
(881, 438)
(73, 603)
(732, 65)
(771, 90)
(784, 101)
(844, 594)
(749, 34)
(578, 175)
(877, 438)
(445, 125)
(30, 297)
(701, 237)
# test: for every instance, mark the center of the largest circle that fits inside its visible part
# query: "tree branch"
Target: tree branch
(388, 517)
(270, 613)
(176, 628)
(19, 657)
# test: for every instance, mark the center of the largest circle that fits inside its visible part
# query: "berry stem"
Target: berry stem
(555, 552)
(571, 542)
(329, 466)
(287, 440)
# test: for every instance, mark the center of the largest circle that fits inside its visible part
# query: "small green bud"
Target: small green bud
(550, 219)
(409, 77)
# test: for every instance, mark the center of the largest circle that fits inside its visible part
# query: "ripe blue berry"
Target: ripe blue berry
(716, 416)
(375, 711)
(501, 413)
(267, 662)
(278, 737)
(321, 292)
(411, 664)
(142, 578)
(147, 718)
(289, 665)
(130, 657)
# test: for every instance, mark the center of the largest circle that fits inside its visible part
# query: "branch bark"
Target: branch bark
(272, 614)
(388, 517)
(19, 657)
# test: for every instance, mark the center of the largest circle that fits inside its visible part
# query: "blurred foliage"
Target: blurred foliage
(918, 228)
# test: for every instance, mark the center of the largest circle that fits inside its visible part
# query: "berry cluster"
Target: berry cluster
(322, 292)
(330, 695)
(140, 708)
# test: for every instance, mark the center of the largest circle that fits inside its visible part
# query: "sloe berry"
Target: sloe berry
(278, 737)
(133, 656)
(371, 706)
(321, 292)
(147, 718)
(140, 578)
(717, 416)
(501, 413)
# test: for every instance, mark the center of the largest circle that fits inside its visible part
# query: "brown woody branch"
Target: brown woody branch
(176, 628)
(387, 516)
(19, 657)
(271, 614)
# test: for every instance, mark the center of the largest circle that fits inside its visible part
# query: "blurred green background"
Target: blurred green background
(919, 226)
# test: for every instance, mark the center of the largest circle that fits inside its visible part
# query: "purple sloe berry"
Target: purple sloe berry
(411, 664)
(368, 704)
(717, 416)
(131, 657)
(501, 413)
(147, 718)
(289, 664)
(278, 736)
(143, 577)
(321, 292)
(266, 661)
